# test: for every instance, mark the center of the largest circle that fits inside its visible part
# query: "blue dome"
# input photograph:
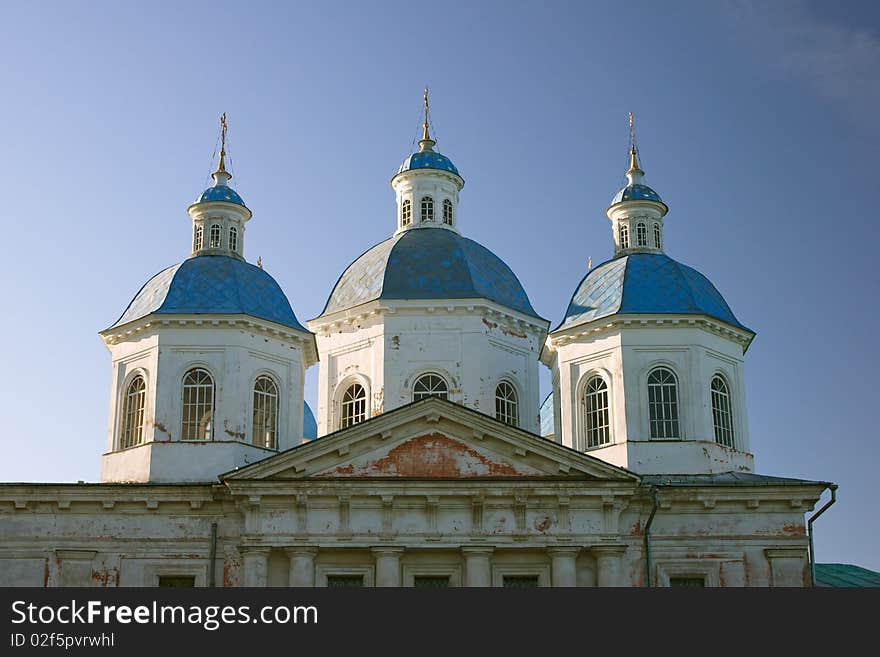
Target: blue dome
(428, 263)
(310, 426)
(646, 283)
(212, 285)
(636, 192)
(428, 160)
(220, 193)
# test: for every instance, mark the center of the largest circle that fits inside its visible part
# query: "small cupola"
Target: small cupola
(636, 211)
(219, 213)
(427, 186)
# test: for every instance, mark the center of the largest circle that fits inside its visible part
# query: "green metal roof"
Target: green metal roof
(844, 575)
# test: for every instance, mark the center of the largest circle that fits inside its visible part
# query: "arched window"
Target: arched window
(597, 426)
(642, 234)
(722, 418)
(197, 238)
(406, 213)
(265, 432)
(624, 237)
(506, 404)
(133, 413)
(657, 242)
(198, 405)
(427, 208)
(447, 212)
(215, 236)
(430, 385)
(663, 403)
(354, 405)
(233, 238)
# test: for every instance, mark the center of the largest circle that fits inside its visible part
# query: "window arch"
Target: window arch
(354, 405)
(506, 404)
(215, 236)
(624, 236)
(197, 238)
(447, 212)
(133, 413)
(663, 403)
(427, 208)
(406, 213)
(596, 416)
(430, 385)
(233, 238)
(722, 417)
(198, 405)
(265, 424)
(657, 241)
(642, 234)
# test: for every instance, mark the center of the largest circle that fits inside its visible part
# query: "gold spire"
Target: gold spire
(426, 143)
(633, 154)
(425, 135)
(221, 167)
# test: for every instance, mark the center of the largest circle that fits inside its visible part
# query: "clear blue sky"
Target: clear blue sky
(756, 122)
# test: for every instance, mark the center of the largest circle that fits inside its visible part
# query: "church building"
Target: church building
(430, 459)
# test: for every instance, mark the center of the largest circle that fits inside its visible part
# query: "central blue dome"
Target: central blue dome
(646, 283)
(428, 160)
(428, 263)
(220, 193)
(212, 285)
(636, 192)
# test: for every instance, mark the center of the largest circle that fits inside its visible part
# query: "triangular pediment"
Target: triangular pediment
(430, 439)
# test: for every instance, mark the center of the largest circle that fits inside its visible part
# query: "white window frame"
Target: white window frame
(623, 236)
(675, 432)
(198, 236)
(641, 234)
(500, 570)
(427, 209)
(324, 569)
(447, 212)
(233, 238)
(183, 406)
(510, 407)
(411, 571)
(585, 413)
(353, 403)
(431, 392)
(658, 242)
(216, 232)
(260, 400)
(138, 413)
(406, 212)
(724, 435)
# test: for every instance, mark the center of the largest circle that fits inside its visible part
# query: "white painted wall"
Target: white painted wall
(385, 346)
(623, 350)
(235, 351)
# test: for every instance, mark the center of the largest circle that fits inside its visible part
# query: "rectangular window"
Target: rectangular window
(177, 581)
(521, 581)
(345, 581)
(687, 581)
(431, 581)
